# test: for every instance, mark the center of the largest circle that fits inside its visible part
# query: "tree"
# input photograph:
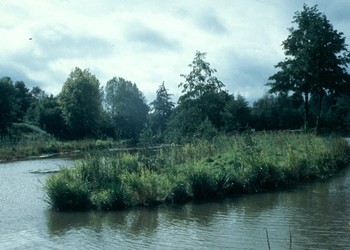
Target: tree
(161, 109)
(81, 104)
(277, 112)
(126, 106)
(8, 104)
(200, 80)
(205, 109)
(22, 99)
(316, 60)
(45, 112)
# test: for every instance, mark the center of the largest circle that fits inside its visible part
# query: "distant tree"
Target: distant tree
(126, 106)
(36, 95)
(236, 114)
(316, 60)
(81, 104)
(8, 104)
(161, 109)
(46, 113)
(277, 112)
(23, 99)
(205, 109)
(200, 80)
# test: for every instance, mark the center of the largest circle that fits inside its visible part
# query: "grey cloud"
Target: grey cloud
(16, 75)
(211, 23)
(244, 74)
(64, 45)
(44, 50)
(150, 38)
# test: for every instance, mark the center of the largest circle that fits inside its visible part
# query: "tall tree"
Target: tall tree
(316, 60)
(23, 100)
(126, 106)
(205, 108)
(81, 104)
(45, 112)
(200, 80)
(161, 109)
(8, 104)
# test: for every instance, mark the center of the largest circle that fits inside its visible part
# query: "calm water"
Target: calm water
(317, 216)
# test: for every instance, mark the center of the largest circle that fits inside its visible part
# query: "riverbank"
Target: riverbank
(203, 170)
(39, 148)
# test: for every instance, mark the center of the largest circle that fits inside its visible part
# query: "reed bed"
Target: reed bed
(202, 170)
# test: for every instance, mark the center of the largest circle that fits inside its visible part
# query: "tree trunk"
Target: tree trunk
(320, 99)
(306, 112)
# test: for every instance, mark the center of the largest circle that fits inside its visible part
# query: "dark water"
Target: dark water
(316, 215)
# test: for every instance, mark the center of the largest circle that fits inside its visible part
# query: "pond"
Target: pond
(317, 216)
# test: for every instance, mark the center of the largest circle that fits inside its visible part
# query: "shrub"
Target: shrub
(66, 193)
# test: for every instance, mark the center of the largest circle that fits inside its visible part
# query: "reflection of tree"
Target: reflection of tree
(202, 213)
(143, 221)
(319, 210)
(60, 223)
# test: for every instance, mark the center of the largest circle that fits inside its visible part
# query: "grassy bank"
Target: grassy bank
(27, 141)
(12, 150)
(202, 170)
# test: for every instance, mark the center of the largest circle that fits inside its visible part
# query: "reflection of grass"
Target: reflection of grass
(201, 170)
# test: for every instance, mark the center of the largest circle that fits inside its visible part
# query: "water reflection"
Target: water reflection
(317, 215)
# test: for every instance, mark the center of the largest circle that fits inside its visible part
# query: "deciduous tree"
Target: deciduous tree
(81, 104)
(8, 104)
(316, 60)
(126, 106)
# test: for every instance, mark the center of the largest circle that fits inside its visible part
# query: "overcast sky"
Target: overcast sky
(148, 42)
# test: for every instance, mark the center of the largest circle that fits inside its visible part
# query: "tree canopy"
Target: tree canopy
(200, 80)
(8, 104)
(81, 104)
(126, 107)
(316, 60)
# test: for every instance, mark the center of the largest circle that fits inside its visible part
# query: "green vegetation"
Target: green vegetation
(310, 90)
(316, 61)
(202, 170)
(28, 141)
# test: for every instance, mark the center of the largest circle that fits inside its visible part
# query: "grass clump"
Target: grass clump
(202, 170)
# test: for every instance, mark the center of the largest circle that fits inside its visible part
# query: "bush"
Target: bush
(66, 193)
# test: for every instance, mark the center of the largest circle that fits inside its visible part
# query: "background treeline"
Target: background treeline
(310, 90)
(83, 109)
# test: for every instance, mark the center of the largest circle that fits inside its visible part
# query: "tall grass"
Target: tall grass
(201, 170)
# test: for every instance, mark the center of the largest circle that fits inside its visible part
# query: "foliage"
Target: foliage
(126, 106)
(8, 105)
(205, 109)
(277, 112)
(161, 109)
(316, 60)
(23, 100)
(46, 113)
(81, 104)
(225, 166)
(200, 80)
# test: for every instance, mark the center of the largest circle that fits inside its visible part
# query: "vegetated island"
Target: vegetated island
(202, 170)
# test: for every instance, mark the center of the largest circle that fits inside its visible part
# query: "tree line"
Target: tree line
(310, 90)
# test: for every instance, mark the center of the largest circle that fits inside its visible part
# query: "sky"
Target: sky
(149, 42)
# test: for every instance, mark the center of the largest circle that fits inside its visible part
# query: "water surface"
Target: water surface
(316, 215)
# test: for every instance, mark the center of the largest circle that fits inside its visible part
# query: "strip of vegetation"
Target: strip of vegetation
(27, 141)
(202, 170)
